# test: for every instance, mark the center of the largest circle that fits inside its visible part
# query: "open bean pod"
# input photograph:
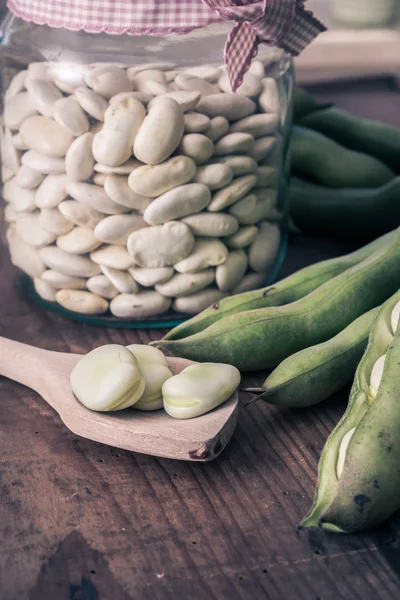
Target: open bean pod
(359, 475)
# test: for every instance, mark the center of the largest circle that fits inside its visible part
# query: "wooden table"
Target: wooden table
(82, 521)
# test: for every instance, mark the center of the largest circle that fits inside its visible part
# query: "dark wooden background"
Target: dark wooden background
(82, 521)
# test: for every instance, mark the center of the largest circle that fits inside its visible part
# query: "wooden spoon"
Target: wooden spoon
(156, 433)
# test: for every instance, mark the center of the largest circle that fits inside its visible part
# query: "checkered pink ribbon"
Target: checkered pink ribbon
(282, 23)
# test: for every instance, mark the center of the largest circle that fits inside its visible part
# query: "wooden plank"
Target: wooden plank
(79, 520)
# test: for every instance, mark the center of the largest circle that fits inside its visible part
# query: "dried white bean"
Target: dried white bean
(79, 214)
(100, 285)
(140, 305)
(197, 302)
(206, 253)
(264, 250)
(152, 181)
(257, 68)
(82, 302)
(6, 174)
(269, 98)
(28, 228)
(99, 178)
(207, 72)
(53, 221)
(256, 125)
(117, 228)
(142, 78)
(68, 112)
(38, 70)
(243, 237)
(95, 197)
(186, 100)
(121, 280)
(250, 87)
(241, 209)
(62, 281)
(234, 143)
(179, 202)
(230, 106)
(162, 245)
(160, 66)
(266, 176)
(11, 157)
(23, 255)
(45, 136)
(148, 277)
(218, 127)
(17, 109)
(196, 122)
(17, 84)
(251, 281)
(143, 97)
(199, 147)
(68, 76)
(17, 142)
(79, 161)
(28, 178)
(10, 214)
(22, 199)
(160, 132)
(48, 165)
(112, 146)
(214, 175)
(108, 81)
(212, 224)
(51, 191)
(229, 275)
(187, 82)
(44, 290)
(125, 169)
(79, 240)
(69, 264)
(43, 95)
(185, 284)
(262, 147)
(233, 192)
(117, 188)
(112, 256)
(91, 102)
(240, 165)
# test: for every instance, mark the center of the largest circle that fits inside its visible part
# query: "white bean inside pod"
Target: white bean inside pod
(161, 245)
(178, 202)
(395, 316)
(143, 304)
(343, 452)
(185, 284)
(376, 378)
(160, 133)
(107, 378)
(206, 253)
(112, 146)
(154, 368)
(198, 389)
(152, 181)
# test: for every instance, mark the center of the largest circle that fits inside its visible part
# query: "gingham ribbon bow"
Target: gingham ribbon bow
(282, 23)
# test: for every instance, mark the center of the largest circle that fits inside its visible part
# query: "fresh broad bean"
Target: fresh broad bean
(154, 368)
(315, 373)
(359, 482)
(198, 389)
(248, 339)
(322, 160)
(107, 378)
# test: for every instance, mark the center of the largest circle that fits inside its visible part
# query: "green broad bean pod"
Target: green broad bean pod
(287, 290)
(262, 338)
(320, 159)
(359, 475)
(372, 137)
(315, 373)
(304, 104)
(347, 213)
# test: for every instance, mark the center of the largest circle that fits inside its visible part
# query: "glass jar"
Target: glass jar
(123, 219)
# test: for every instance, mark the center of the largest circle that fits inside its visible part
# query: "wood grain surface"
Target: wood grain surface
(82, 521)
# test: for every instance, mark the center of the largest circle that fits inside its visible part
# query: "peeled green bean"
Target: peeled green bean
(287, 290)
(320, 159)
(264, 337)
(315, 373)
(359, 476)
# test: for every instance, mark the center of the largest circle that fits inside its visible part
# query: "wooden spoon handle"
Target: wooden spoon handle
(23, 363)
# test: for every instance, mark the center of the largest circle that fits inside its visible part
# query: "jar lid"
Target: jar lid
(282, 23)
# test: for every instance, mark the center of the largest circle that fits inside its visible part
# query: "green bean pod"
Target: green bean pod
(359, 474)
(287, 290)
(347, 213)
(315, 373)
(262, 338)
(365, 135)
(320, 159)
(304, 104)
